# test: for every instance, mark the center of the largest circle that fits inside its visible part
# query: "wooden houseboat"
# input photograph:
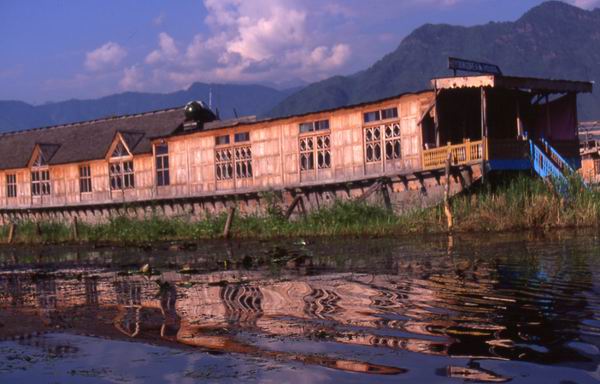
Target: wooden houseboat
(184, 161)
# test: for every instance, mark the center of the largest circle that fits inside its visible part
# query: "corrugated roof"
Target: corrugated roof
(88, 140)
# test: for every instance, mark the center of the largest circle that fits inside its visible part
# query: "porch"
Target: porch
(495, 120)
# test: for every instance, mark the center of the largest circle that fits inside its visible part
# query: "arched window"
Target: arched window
(40, 176)
(120, 168)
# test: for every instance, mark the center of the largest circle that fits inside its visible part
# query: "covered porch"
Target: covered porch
(493, 119)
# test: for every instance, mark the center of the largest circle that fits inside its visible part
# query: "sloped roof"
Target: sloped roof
(88, 140)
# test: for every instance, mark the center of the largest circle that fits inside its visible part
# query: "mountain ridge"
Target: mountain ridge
(553, 39)
(244, 98)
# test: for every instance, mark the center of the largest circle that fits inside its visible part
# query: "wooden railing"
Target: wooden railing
(464, 153)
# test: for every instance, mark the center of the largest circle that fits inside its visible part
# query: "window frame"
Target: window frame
(85, 179)
(40, 181)
(315, 150)
(124, 179)
(379, 115)
(233, 160)
(161, 163)
(241, 137)
(11, 185)
(312, 127)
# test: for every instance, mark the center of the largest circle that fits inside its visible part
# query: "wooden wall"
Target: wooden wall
(275, 159)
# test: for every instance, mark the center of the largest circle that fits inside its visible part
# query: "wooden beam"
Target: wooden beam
(484, 131)
(447, 209)
(372, 189)
(11, 233)
(75, 229)
(228, 222)
(297, 200)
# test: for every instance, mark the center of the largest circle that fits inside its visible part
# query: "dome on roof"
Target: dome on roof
(199, 112)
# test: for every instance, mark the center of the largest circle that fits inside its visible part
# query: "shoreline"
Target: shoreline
(507, 205)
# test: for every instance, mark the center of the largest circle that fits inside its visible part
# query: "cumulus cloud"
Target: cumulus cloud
(167, 49)
(262, 40)
(132, 78)
(107, 56)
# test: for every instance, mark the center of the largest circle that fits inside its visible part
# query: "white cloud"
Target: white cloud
(167, 49)
(107, 56)
(587, 4)
(262, 40)
(132, 78)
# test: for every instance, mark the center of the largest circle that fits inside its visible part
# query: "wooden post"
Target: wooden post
(447, 209)
(297, 200)
(373, 188)
(519, 120)
(386, 197)
(484, 132)
(436, 118)
(11, 233)
(75, 229)
(548, 122)
(229, 221)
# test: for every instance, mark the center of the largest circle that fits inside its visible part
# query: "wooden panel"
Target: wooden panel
(275, 159)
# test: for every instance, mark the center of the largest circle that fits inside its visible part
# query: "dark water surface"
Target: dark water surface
(483, 308)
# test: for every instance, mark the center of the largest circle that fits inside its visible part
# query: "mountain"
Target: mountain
(553, 40)
(246, 99)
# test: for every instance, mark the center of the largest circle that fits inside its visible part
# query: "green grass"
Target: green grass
(513, 203)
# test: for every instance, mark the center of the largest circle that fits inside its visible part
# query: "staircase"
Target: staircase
(548, 163)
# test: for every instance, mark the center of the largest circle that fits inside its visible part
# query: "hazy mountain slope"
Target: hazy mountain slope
(554, 40)
(246, 99)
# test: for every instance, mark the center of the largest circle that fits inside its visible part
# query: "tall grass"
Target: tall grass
(513, 203)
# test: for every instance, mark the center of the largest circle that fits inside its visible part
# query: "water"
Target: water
(482, 308)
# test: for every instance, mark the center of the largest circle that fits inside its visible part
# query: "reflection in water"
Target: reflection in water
(532, 306)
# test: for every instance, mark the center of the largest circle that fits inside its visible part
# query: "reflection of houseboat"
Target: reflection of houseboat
(449, 307)
(186, 161)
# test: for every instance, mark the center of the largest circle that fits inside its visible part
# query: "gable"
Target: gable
(118, 148)
(87, 140)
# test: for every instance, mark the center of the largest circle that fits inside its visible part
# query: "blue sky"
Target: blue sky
(61, 49)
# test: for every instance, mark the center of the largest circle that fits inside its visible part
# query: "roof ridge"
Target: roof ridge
(86, 122)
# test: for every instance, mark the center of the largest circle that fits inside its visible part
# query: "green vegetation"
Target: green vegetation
(513, 203)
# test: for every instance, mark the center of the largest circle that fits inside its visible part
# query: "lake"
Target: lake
(496, 308)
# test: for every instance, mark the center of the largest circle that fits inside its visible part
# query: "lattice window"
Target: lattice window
(373, 144)
(315, 151)
(243, 162)
(40, 182)
(323, 152)
(120, 151)
(224, 164)
(307, 160)
(39, 161)
(85, 179)
(121, 175)
(162, 165)
(11, 185)
(392, 142)
(383, 140)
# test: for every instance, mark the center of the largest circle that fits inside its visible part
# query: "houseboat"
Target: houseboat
(186, 162)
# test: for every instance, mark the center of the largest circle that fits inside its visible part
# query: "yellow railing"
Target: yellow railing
(464, 153)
